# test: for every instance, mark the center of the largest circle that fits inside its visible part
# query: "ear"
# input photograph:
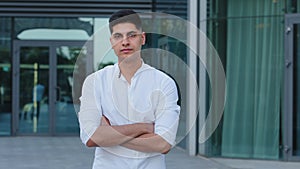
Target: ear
(143, 38)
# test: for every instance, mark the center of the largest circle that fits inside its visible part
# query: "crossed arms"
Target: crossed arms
(138, 136)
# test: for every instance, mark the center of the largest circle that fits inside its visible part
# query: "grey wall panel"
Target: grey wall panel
(88, 8)
(70, 7)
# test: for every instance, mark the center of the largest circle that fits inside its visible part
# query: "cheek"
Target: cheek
(115, 49)
(115, 46)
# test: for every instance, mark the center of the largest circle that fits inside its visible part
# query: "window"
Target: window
(248, 37)
(5, 76)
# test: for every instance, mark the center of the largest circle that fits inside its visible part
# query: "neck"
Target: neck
(129, 67)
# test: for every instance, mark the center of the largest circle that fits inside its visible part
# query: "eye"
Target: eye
(132, 35)
(117, 36)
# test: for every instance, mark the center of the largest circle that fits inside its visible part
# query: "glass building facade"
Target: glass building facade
(48, 48)
(251, 37)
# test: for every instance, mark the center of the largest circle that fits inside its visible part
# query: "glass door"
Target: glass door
(43, 87)
(65, 104)
(292, 88)
(33, 89)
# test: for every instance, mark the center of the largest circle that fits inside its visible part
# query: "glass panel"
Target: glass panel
(251, 50)
(53, 28)
(169, 54)
(172, 60)
(66, 118)
(102, 46)
(296, 113)
(34, 80)
(5, 76)
(292, 6)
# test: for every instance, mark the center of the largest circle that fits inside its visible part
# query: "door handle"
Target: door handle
(58, 90)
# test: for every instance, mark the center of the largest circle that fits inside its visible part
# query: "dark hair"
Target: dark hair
(125, 16)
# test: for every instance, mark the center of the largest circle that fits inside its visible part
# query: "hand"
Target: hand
(105, 121)
(149, 128)
(166, 152)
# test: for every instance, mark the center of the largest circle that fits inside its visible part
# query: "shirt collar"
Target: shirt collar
(117, 72)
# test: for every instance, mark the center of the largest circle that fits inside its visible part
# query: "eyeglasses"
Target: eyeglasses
(117, 37)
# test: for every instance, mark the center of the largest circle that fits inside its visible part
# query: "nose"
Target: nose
(125, 41)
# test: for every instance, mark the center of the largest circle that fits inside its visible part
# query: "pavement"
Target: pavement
(70, 153)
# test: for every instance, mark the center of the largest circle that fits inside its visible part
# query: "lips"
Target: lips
(126, 50)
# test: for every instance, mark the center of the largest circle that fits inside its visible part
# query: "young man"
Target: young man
(129, 110)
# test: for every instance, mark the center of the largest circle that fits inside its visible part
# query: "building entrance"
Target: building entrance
(44, 102)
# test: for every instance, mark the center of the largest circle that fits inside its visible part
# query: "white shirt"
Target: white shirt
(151, 97)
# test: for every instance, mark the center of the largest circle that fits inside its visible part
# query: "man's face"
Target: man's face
(126, 40)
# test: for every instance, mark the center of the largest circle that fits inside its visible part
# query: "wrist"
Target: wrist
(146, 128)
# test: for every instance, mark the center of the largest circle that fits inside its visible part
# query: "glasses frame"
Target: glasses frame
(131, 36)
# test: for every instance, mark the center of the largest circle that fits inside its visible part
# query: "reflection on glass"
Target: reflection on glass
(168, 53)
(53, 28)
(171, 58)
(251, 52)
(5, 76)
(296, 113)
(66, 118)
(292, 6)
(53, 34)
(104, 55)
(34, 75)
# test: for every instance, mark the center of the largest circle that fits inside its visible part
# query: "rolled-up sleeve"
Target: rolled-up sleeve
(90, 112)
(167, 113)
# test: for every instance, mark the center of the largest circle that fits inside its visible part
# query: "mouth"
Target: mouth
(126, 50)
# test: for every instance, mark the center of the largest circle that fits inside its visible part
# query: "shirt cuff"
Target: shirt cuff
(84, 137)
(168, 133)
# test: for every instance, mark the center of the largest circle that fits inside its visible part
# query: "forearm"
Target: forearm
(148, 143)
(106, 136)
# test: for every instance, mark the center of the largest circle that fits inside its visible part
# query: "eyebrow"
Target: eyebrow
(131, 32)
(117, 33)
